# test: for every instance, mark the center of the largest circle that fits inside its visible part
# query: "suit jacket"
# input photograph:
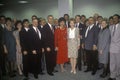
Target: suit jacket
(35, 41)
(76, 36)
(115, 41)
(1, 35)
(104, 40)
(24, 40)
(48, 37)
(92, 38)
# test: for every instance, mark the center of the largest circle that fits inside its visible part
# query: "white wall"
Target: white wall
(105, 8)
(22, 11)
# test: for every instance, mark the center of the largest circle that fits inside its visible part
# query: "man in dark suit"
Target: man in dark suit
(50, 56)
(2, 54)
(81, 28)
(35, 37)
(24, 42)
(90, 45)
(66, 16)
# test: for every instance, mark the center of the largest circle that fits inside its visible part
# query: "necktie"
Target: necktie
(52, 29)
(114, 28)
(87, 31)
(37, 32)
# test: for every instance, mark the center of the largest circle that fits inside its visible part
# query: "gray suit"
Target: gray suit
(103, 44)
(115, 53)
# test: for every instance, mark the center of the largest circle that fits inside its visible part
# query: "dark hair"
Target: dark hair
(116, 15)
(18, 22)
(25, 20)
(83, 16)
(34, 16)
(78, 16)
(61, 19)
(66, 15)
(111, 17)
(8, 19)
(99, 17)
(2, 16)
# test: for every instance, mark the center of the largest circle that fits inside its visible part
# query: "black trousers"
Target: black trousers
(26, 64)
(50, 58)
(35, 63)
(79, 60)
(2, 61)
(92, 60)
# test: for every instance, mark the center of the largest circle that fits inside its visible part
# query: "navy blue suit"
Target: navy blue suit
(90, 40)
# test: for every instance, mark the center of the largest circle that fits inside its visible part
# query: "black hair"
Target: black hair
(116, 15)
(8, 19)
(18, 22)
(111, 17)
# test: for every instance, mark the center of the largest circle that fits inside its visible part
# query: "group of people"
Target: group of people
(30, 47)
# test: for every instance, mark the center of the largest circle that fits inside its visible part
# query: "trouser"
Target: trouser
(50, 59)
(92, 60)
(26, 64)
(79, 61)
(2, 61)
(115, 65)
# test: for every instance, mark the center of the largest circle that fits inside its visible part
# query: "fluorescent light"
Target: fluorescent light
(1, 4)
(22, 2)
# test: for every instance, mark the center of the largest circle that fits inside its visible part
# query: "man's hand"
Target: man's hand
(25, 52)
(48, 49)
(34, 52)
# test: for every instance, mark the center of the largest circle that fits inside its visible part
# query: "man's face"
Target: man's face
(35, 23)
(2, 20)
(77, 19)
(50, 20)
(115, 19)
(91, 21)
(66, 17)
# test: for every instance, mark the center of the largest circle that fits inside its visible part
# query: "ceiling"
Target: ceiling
(15, 2)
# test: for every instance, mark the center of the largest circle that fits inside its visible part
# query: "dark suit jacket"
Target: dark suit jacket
(92, 38)
(35, 42)
(24, 40)
(48, 37)
(1, 35)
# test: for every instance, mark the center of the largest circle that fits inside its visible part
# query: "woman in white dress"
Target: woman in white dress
(73, 44)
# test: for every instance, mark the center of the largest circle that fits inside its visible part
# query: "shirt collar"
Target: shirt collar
(26, 29)
(49, 24)
(91, 26)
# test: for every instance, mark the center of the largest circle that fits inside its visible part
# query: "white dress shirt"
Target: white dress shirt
(26, 29)
(72, 33)
(88, 28)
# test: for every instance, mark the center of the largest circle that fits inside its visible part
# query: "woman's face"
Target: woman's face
(19, 25)
(104, 24)
(9, 23)
(72, 24)
(62, 23)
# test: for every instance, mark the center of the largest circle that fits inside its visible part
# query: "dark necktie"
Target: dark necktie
(114, 29)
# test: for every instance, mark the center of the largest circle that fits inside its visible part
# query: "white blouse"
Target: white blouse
(72, 33)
